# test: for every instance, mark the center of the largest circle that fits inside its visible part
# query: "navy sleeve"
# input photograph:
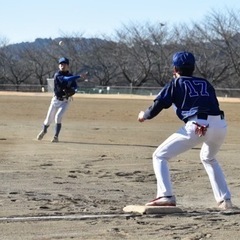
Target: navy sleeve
(162, 101)
(62, 81)
(70, 78)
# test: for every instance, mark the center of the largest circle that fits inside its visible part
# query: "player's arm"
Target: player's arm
(70, 78)
(163, 100)
(151, 112)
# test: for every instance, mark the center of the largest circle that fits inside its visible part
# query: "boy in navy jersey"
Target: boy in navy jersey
(196, 104)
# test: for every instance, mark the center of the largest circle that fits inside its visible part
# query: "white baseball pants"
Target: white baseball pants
(185, 139)
(56, 111)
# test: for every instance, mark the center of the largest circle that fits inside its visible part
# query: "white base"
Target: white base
(151, 209)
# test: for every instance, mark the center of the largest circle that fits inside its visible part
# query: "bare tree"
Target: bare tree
(101, 62)
(15, 68)
(41, 65)
(161, 52)
(3, 44)
(138, 55)
(209, 62)
(219, 35)
(133, 55)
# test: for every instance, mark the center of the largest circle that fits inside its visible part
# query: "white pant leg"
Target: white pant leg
(62, 108)
(214, 139)
(177, 143)
(56, 111)
(51, 112)
(186, 139)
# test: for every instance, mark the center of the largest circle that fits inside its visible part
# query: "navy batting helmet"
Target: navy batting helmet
(183, 60)
(63, 60)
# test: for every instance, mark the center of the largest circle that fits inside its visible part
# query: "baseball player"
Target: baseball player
(196, 104)
(65, 87)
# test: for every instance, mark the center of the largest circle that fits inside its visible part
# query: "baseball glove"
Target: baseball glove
(69, 92)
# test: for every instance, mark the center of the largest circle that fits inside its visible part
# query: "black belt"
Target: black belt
(204, 116)
(61, 98)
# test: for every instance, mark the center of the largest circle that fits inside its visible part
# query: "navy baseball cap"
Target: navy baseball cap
(63, 60)
(183, 60)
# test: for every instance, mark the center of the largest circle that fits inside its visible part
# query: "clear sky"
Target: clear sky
(26, 20)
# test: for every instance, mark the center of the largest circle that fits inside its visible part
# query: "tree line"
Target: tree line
(138, 55)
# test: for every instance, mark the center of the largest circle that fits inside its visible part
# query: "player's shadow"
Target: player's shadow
(110, 144)
(118, 144)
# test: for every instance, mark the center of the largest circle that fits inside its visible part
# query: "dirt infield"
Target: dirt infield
(77, 188)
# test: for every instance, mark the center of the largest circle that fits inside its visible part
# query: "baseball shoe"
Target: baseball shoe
(225, 204)
(162, 201)
(40, 135)
(55, 139)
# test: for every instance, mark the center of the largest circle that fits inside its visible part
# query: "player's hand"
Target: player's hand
(85, 75)
(140, 116)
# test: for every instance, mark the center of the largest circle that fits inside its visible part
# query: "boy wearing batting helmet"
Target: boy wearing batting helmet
(196, 104)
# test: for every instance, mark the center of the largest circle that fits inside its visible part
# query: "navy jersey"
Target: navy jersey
(189, 95)
(61, 83)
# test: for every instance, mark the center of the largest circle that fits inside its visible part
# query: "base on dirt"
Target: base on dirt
(151, 209)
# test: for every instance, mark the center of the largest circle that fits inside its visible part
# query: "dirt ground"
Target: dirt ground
(77, 188)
